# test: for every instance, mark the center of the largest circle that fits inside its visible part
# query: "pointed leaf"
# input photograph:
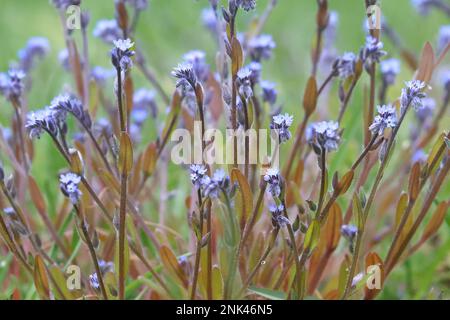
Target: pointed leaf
(436, 221)
(414, 182)
(246, 192)
(332, 227)
(61, 292)
(401, 206)
(237, 55)
(170, 261)
(36, 196)
(426, 64)
(357, 209)
(149, 160)
(312, 236)
(345, 182)
(41, 279)
(125, 154)
(310, 96)
(217, 283)
(373, 259)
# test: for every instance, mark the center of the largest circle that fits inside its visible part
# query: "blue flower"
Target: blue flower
(282, 122)
(261, 47)
(107, 30)
(372, 51)
(63, 58)
(101, 75)
(427, 109)
(143, 104)
(63, 4)
(244, 83)
(255, 68)
(269, 92)
(211, 187)
(422, 6)
(121, 54)
(346, 65)
(64, 103)
(69, 186)
(37, 47)
(331, 29)
(197, 172)
(103, 127)
(105, 266)
(209, 20)
(386, 118)
(186, 76)
(412, 94)
(274, 182)
(419, 156)
(325, 134)
(390, 68)
(94, 282)
(349, 231)
(444, 37)
(247, 5)
(278, 218)
(11, 84)
(4, 83)
(40, 121)
(197, 59)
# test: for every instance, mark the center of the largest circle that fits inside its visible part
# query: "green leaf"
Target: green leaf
(357, 209)
(125, 154)
(312, 236)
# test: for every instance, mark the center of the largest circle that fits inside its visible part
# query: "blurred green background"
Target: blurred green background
(170, 28)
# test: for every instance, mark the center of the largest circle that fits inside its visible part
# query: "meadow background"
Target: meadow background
(170, 28)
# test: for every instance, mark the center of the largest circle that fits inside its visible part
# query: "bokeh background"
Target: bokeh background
(170, 28)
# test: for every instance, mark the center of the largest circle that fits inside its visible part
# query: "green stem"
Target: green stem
(369, 203)
(323, 178)
(199, 247)
(228, 290)
(92, 252)
(122, 223)
(260, 262)
(298, 268)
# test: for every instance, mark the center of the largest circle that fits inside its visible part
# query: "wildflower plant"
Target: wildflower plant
(89, 178)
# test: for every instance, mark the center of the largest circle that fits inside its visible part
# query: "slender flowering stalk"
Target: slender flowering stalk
(69, 187)
(296, 253)
(187, 79)
(411, 96)
(121, 59)
(322, 19)
(198, 176)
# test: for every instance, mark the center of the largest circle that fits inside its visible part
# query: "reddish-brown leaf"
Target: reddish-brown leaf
(310, 96)
(125, 154)
(426, 64)
(373, 260)
(333, 227)
(436, 221)
(414, 182)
